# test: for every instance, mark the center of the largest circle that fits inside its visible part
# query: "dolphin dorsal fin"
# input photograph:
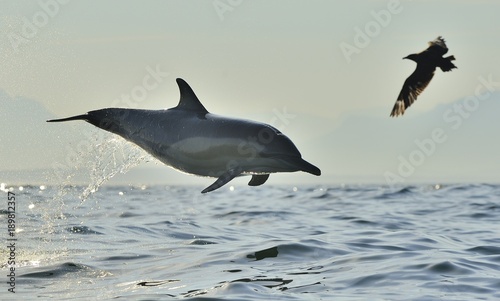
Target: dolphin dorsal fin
(188, 100)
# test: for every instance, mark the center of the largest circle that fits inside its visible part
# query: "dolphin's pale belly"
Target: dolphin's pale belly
(214, 156)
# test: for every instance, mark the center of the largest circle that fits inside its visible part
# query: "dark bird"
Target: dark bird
(427, 61)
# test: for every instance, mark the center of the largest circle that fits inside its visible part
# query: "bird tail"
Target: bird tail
(446, 64)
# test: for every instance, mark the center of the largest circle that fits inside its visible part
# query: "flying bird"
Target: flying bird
(192, 140)
(427, 62)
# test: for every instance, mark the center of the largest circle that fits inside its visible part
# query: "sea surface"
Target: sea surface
(338, 242)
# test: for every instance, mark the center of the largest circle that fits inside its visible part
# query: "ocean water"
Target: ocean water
(338, 242)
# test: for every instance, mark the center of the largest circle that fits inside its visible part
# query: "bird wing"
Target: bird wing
(412, 87)
(438, 45)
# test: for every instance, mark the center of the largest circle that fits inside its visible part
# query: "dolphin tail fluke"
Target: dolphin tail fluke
(258, 180)
(78, 117)
(223, 180)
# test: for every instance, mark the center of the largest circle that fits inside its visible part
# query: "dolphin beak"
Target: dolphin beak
(303, 165)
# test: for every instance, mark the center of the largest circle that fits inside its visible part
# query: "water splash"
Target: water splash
(105, 157)
(109, 158)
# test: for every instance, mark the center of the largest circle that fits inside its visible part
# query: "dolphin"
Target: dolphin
(192, 140)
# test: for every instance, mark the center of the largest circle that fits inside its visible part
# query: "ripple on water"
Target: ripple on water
(201, 242)
(448, 268)
(66, 268)
(401, 192)
(84, 230)
(124, 258)
(263, 254)
(485, 250)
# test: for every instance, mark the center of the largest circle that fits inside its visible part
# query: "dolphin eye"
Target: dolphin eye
(267, 134)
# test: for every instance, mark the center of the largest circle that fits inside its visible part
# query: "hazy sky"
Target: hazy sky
(327, 73)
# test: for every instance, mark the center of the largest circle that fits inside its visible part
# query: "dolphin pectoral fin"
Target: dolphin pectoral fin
(223, 180)
(258, 180)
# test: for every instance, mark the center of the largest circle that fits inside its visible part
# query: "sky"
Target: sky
(326, 73)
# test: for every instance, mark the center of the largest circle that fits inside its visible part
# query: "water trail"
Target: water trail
(105, 157)
(109, 158)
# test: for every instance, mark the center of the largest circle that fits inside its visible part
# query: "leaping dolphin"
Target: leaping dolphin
(192, 140)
